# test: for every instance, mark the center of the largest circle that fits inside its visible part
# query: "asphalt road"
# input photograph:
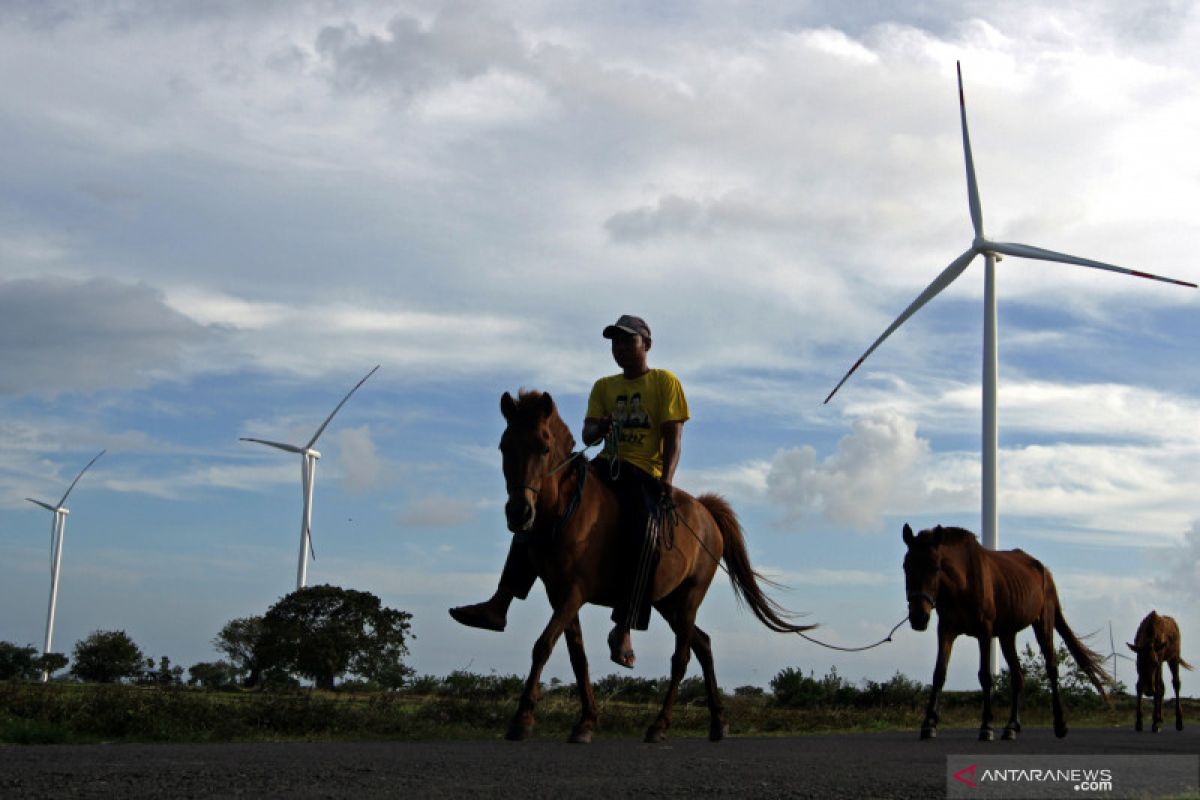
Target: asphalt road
(887, 765)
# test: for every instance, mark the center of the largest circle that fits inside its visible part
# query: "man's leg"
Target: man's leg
(634, 491)
(515, 582)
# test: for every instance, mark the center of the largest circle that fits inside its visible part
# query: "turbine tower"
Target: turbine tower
(57, 527)
(308, 475)
(991, 251)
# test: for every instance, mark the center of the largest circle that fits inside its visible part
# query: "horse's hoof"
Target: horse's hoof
(581, 736)
(1137, 726)
(1009, 735)
(986, 735)
(1060, 731)
(1178, 724)
(718, 731)
(1155, 728)
(928, 733)
(655, 735)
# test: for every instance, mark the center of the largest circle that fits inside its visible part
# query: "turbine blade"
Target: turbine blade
(291, 448)
(1029, 251)
(321, 429)
(948, 275)
(77, 477)
(46, 506)
(972, 184)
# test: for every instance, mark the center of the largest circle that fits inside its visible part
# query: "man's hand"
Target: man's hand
(596, 428)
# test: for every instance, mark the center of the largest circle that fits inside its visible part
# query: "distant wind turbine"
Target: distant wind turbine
(991, 251)
(57, 527)
(308, 475)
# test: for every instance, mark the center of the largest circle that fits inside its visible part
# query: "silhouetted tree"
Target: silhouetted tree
(24, 663)
(324, 632)
(107, 657)
(214, 675)
(238, 640)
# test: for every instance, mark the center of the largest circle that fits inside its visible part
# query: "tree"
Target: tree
(24, 663)
(324, 632)
(239, 641)
(219, 675)
(107, 657)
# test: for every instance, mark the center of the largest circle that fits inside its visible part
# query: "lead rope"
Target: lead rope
(671, 513)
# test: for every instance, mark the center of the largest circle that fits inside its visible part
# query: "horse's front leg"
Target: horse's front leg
(945, 644)
(1137, 719)
(522, 722)
(1008, 646)
(1175, 684)
(986, 734)
(1160, 689)
(582, 734)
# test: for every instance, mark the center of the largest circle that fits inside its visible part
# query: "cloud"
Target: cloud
(1183, 567)
(856, 485)
(436, 511)
(59, 335)
(360, 465)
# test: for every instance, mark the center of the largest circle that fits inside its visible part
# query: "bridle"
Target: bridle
(923, 596)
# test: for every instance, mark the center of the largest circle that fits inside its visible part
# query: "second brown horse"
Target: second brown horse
(572, 522)
(984, 593)
(1157, 642)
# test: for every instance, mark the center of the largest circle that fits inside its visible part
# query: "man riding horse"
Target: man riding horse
(641, 411)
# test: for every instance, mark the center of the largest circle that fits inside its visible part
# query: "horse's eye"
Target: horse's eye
(545, 450)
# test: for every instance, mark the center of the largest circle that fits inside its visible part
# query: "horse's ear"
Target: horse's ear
(908, 534)
(1131, 647)
(547, 405)
(507, 406)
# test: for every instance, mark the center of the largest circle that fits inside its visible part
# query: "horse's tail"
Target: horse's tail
(1091, 662)
(745, 580)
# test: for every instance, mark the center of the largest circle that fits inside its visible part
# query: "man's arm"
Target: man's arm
(672, 440)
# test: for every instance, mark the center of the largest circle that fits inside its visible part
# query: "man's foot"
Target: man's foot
(620, 649)
(480, 615)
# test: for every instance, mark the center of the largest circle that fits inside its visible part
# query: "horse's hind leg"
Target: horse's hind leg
(702, 647)
(582, 734)
(1008, 646)
(1044, 633)
(1175, 683)
(681, 615)
(522, 722)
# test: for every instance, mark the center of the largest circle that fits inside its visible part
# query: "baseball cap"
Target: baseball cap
(628, 324)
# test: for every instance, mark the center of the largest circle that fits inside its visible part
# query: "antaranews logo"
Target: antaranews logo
(967, 775)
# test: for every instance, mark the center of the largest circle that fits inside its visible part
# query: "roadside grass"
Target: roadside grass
(56, 713)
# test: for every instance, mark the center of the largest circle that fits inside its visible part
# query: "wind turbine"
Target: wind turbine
(57, 527)
(991, 251)
(308, 475)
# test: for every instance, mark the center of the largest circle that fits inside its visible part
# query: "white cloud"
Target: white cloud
(360, 465)
(855, 485)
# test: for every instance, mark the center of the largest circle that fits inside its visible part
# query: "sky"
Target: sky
(216, 217)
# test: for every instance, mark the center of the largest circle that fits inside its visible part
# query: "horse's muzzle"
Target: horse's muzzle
(920, 609)
(519, 513)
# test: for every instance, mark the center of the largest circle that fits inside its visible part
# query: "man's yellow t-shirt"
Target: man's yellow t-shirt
(638, 408)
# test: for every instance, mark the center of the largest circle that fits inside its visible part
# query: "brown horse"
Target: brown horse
(984, 593)
(572, 521)
(1157, 641)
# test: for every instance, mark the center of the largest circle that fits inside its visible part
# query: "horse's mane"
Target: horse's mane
(531, 406)
(941, 535)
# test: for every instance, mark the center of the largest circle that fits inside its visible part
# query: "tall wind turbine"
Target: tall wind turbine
(57, 527)
(308, 475)
(991, 251)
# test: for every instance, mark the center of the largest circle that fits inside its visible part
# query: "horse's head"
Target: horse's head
(922, 574)
(533, 444)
